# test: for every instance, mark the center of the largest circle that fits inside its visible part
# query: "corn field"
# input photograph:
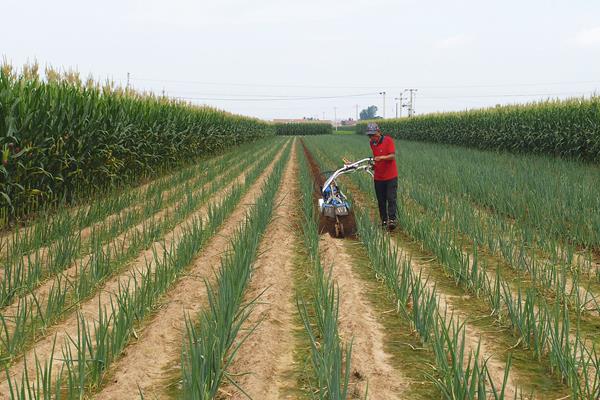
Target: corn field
(63, 138)
(302, 128)
(566, 128)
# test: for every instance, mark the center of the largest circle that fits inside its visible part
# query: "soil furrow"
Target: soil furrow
(6, 239)
(121, 242)
(371, 364)
(588, 296)
(473, 336)
(89, 309)
(585, 297)
(264, 362)
(516, 279)
(85, 233)
(142, 367)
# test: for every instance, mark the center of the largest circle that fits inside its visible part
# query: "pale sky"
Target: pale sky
(284, 59)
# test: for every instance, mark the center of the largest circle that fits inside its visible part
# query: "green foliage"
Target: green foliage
(210, 346)
(60, 138)
(345, 130)
(331, 359)
(544, 313)
(368, 113)
(550, 198)
(459, 372)
(35, 313)
(99, 341)
(303, 128)
(566, 128)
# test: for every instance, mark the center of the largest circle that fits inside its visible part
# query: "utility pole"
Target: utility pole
(323, 115)
(335, 117)
(411, 109)
(399, 109)
(357, 112)
(383, 94)
(128, 75)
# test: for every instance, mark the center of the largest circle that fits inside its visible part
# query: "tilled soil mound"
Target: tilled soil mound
(328, 224)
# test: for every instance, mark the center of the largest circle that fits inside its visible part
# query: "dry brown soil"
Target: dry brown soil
(371, 365)
(151, 362)
(89, 309)
(264, 364)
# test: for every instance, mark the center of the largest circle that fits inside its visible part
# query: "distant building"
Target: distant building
(348, 122)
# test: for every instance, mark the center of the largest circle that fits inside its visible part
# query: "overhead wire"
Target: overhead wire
(373, 96)
(274, 98)
(425, 95)
(506, 95)
(311, 86)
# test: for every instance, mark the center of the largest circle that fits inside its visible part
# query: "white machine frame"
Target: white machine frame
(366, 164)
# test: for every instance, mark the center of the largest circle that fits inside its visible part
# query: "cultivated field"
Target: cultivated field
(219, 280)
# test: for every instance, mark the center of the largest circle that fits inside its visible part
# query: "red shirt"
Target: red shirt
(385, 169)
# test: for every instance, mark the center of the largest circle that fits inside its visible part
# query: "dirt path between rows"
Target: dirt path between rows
(588, 297)
(89, 309)
(473, 337)
(6, 238)
(579, 293)
(265, 361)
(584, 295)
(371, 364)
(144, 368)
(41, 254)
(579, 257)
(121, 242)
(85, 233)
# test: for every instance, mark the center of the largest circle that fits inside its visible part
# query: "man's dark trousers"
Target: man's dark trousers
(386, 192)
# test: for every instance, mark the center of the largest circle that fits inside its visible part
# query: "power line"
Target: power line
(309, 86)
(194, 94)
(374, 98)
(511, 85)
(254, 85)
(506, 95)
(274, 99)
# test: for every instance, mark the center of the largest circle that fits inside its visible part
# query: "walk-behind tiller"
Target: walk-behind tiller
(333, 203)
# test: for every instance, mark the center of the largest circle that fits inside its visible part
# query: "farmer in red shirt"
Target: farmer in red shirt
(385, 175)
